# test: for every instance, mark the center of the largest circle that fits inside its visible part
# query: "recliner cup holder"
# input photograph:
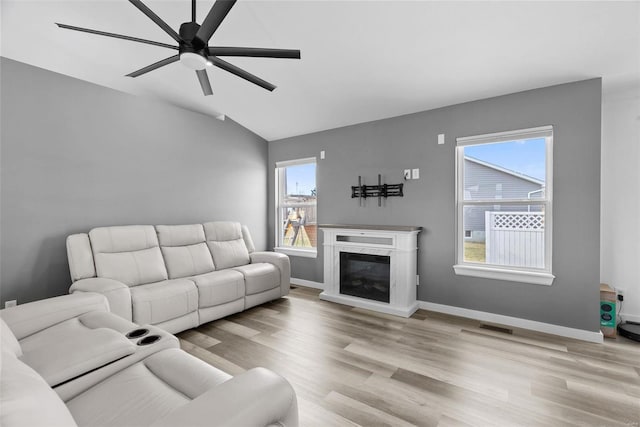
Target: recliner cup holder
(149, 339)
(137, 333)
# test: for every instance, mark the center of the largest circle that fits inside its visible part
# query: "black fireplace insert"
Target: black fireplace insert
(365, 276)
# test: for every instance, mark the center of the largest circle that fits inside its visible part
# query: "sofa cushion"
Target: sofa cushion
(26, 399)
(219, 287)
(70, 356)
(125, 238)
(132, 268)
(162, 301)
(147, 391)
(180, 235)
(226, 244)
(259, 277)
(184, 261)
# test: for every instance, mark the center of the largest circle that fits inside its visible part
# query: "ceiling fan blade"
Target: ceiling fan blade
(154, 66)
(155, 18)
(214, 18)
(117, 36)
(241, 73)
(255, 52)
(204, 82)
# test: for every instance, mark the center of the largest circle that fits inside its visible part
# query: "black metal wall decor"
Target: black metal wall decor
(362, 191)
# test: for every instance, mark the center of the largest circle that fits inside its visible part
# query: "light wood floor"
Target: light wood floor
(356, 367)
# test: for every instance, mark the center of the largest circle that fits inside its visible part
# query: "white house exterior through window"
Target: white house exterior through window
(504, 199)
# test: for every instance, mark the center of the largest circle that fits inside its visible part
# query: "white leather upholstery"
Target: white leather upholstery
(259, 277)
(128, 254)
(219, 287)
(248, 240)
(147, 391)
(117, 293)
(281, 261)
(184, 261)
(80, 257)
(26, 399)
(27, 319)
(132, 268)
(155, 384)
(9, 341)
(154, 275)
(158, 302)
(71, 355)
(184, 250)
(226, 244)
(258, 397)
(126, 238)
(180, 235)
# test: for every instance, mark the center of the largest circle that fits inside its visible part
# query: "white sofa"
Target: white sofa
(67, 361)
(176, 276)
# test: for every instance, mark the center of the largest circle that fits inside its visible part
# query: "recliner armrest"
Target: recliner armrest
(279, 260)
(258, 397)
(27, 319)
(117, 293)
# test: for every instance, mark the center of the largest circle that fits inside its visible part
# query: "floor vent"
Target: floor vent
(497, 329)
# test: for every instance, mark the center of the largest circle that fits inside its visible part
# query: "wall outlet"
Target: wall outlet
(415, 174)
(407, 174)
(620, 291)
(11, 303)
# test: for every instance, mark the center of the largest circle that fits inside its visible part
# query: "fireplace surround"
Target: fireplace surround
(372, 267)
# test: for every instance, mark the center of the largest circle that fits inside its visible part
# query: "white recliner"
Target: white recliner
(67, 361)
(176, 276)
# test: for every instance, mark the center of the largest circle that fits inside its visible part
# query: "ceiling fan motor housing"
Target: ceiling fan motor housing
(193, 53)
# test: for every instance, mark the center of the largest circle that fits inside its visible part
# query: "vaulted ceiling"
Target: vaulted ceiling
(361, 60)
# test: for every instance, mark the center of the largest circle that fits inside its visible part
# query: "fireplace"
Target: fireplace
(372, 267)
(365, 276)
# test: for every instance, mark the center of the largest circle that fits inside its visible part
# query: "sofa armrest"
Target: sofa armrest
(279, 260)
(258, 397)
(27, 319)
(117, 293)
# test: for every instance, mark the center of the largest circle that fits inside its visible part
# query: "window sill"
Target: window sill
(533, 277)
(305, 253)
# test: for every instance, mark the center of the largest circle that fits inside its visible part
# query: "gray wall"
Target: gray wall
(75, 155)
(389, 146)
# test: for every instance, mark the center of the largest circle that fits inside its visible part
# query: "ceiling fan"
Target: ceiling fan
(192, 48)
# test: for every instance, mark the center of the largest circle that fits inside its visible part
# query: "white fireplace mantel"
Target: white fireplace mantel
(400, 243)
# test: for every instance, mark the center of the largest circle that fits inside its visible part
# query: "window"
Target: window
(296, 201)
(504, 205)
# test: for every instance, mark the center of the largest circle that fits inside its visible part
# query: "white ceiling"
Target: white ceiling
(361, 60)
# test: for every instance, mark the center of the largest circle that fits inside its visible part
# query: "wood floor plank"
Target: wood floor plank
(353, 367)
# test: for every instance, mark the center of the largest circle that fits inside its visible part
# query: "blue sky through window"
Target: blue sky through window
(301, 179)
(524, 156)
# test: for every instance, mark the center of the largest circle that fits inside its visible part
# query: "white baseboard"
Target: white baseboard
(307, 283)
(533, 325)
(630, 317)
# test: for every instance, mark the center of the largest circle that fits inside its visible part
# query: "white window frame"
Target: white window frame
(498, 272)
(280, 189)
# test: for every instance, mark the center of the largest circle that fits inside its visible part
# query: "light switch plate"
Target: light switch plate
(322, 155)
(416, 174)
(441, 139)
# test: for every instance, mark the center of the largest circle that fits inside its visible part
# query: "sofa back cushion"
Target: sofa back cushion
(184, 249)
(226, 244)
(27, 400)
(129, 254)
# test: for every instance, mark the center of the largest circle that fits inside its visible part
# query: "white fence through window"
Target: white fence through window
(515, 238)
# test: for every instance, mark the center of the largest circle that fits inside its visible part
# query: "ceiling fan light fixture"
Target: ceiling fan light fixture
(194, 61)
